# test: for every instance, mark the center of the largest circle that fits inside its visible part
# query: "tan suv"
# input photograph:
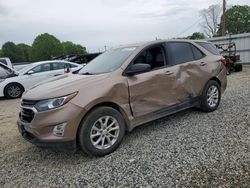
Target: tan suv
(119, 90)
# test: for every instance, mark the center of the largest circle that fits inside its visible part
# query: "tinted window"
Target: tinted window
(42, 68)
(72, 66)
(58, 66)
(197, 53)
(153, 56)
(3, 61)
(179, 52)
(108, 61)
(209, 47)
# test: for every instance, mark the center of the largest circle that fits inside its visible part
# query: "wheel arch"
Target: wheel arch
(106, 104)
(215, 79)
(12, 83)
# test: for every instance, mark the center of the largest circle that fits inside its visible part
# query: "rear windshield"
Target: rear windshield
(209, 47)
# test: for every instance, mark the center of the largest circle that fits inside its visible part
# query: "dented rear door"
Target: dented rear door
(192, 68)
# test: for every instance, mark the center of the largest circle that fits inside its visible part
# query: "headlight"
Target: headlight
(49, 104)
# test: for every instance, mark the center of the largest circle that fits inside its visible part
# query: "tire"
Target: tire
(238, 67)
(99, 144)
(13, 91)
(211, 96)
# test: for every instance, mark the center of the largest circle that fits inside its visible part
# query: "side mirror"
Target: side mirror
(138, 68)
(30, 72)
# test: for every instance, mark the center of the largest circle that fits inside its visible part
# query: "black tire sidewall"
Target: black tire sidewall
(88, 122)
(6, 94)
(204, 105)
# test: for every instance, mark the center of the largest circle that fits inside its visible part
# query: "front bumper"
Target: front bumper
(62, 145)
(38, 128)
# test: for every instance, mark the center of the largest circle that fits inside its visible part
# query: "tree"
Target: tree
(71, 48)
(1, 53)
(9, 49)
(197, 36)
(16, 53)
(210, 19)
(237, 20)
(45, 47)
(25, 51)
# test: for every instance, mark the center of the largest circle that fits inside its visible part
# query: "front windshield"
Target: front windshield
(108, 61)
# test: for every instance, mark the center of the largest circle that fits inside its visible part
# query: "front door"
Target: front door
(153, 90)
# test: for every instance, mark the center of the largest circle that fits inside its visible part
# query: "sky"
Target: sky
(98, 23)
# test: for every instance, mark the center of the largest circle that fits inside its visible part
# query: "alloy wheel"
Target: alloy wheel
(212, 96)
(104, 132)
(14, 91)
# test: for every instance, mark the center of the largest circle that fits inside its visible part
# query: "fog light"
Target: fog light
(59, 129)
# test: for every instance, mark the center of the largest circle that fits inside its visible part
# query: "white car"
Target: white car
(14, 86)
(6, 61)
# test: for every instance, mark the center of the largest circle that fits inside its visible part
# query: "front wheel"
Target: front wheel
(211, 96)
(102, 131)
(13, 91)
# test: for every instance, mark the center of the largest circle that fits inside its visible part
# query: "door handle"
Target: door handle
(169, 72)
(203, 63)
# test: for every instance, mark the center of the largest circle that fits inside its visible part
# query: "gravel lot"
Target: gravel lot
(190, 148)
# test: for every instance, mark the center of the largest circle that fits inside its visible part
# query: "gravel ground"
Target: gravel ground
(188, 149)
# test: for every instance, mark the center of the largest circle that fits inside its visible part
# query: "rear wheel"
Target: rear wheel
(102, 131)
(13, 91)
(211, 96)
(238, 67)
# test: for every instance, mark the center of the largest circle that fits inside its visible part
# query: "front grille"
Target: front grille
(28, 103)
(26, 115)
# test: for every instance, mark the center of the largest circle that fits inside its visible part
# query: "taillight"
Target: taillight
(223, 61)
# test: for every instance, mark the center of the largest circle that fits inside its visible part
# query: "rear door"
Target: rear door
(58, 68)
(191, 68)
(152, 91)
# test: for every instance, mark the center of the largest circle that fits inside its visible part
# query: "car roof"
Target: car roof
(144, 44)
(52, 61)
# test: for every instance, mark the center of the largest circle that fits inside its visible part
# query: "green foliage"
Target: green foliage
(1, 53)
(25, 50)
(71, 48)
(45, 46)
(197, 36)
(16, 53)
(237, 20)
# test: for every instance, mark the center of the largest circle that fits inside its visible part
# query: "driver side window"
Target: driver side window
(42, 68)
(153, 56)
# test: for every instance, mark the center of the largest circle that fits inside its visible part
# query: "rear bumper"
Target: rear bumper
(62, 145)
(222, 76)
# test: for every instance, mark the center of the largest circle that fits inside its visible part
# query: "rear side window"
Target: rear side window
(72, 66)
(58, 66)
(179, 52)
(209, 47)
(197, 53)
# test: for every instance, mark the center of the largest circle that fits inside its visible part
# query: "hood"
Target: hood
(61, 86)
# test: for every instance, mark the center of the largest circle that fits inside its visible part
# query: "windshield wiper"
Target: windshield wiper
(87, 73)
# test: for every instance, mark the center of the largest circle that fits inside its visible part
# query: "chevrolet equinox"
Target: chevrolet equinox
(119, 90)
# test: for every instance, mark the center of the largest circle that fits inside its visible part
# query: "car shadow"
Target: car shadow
(129, 139)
